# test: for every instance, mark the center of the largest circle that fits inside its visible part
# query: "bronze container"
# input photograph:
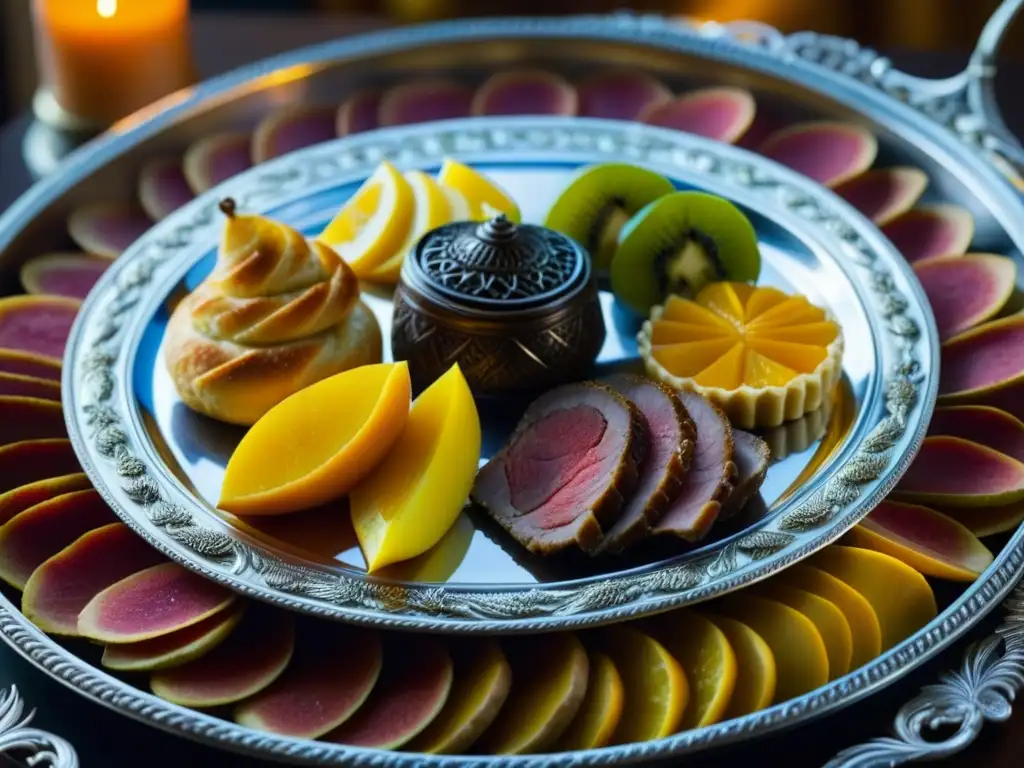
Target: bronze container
(516, 306)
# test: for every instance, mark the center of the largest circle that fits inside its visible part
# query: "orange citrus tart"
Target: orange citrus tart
(762, 356)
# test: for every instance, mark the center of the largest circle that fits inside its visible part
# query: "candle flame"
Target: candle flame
(106, 8)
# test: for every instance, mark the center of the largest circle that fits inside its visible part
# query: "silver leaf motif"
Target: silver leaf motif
(18, 738)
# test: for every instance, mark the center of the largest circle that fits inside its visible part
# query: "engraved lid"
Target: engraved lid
(497, 266)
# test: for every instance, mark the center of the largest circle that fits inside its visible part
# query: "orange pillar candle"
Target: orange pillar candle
(103, 59)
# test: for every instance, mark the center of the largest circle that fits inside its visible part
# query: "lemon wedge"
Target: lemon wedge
(486, 199)
(372, 226)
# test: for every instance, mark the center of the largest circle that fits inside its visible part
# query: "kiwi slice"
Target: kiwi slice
(680, 243)
(598, 202)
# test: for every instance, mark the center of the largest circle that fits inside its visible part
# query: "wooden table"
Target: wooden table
(107, 740)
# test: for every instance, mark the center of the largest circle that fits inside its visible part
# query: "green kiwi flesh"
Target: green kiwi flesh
(598, 202)
(678, 244)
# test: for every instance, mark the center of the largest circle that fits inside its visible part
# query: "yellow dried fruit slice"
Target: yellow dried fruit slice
(680, 310)
(599, 714)
(483, 194)
(725, 300)
(803, 358)
(761, 371)
(820, 334)
(727, 371)
(761, 301)
(795, 310)
(692, 358)
(669, 332)
(755, 664)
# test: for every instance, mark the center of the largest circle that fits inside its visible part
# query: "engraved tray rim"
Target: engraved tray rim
(110, 441)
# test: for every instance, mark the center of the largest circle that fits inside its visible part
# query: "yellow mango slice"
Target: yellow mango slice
(680, 310)
(481, 684)
(690, 359)
(865, 633)
(726, 372)
(598, 716)
(549, 682)
(655, 687)
(801, 660)
(725, 299)
(821, 334)
(316, 445)
(759, 371)
(755, 663)
(707, 658)
(440, 562)
(827, 618)
(795, 310)
(902, 599)
(372, 225)
(802, 358)
(669, 332)
(415, 495)
(489, 198)
(761, 300)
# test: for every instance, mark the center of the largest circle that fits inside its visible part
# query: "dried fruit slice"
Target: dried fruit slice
(34, 536)
(482, 680)
(486, 198)
(107, 229)
(982, 361)
(29, 386)
(987, 521)
(63, 585)
(21, 498)
(883, 194)
(252, 657)
(865, 632)
(620, 94)
(62, 274)
(358, 112)
(216, 158)
(37, 324)
(930, 231)
(723, 114)
(827, 619)
(163, 188)
(174, 649)
(601, 711)
(901, 597)
(924, 539)
(329, 679)
(525, 92)
(424, 100)
(411, 692)
(356, 416)
(707, 658)
(291, 128)
(30, 364)
(964, 291)
(549, 682)
(981, 424)
(755, 664)
(151, 603)
(959, 473)
(29, 418)
(32, 460)
(801, 659)
(830, 153)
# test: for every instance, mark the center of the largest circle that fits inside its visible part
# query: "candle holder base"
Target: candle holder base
(48, 110)
(53, 135)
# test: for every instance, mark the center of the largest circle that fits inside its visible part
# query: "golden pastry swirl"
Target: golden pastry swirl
(275, 315)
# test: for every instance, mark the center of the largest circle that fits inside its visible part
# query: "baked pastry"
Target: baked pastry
(276, 314)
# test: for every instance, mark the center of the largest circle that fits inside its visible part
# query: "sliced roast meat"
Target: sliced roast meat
(670, 438)
(711, 477)
(751, 456)
(565, 473)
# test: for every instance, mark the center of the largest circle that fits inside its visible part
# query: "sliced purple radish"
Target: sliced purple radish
(108, 229)
(29, 386)
(63, 274)
(955, 472)
(34, 536)
(982, 361)
(37, 324)
(885, 193)
(151, 603)
(29, 461)
(252, 657)
(175, 649)
(931, 231)
(421, 101)
(163, 188)
(411, 692)
(215, 159)
(292, 128)
(358, 113)
(525, 92)
(620, 94)
(723, 114)
(987, 521)
(30, 364)
(29, 418)
(981, 424)
(327, 681)
(21, 498)
(964, 291)
(830, 153)
(63, 585)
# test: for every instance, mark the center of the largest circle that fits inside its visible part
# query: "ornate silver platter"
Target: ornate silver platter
(160, 466)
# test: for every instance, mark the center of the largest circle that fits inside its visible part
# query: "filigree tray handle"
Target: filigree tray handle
(981, 691)
(38, 748)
